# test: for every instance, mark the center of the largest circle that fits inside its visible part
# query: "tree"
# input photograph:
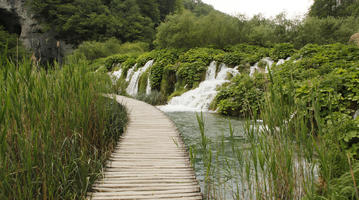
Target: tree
(334, 8)
(76, 21)
(179, 31)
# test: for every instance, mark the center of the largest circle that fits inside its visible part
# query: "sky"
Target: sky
(269, 8)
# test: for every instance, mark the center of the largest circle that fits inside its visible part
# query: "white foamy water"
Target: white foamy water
(199, 99)
(282, 61)
(117, 74)
(255, 67)
(132, 88)
(130, 72)
(148, 87)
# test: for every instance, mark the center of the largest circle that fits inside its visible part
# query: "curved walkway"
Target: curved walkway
(150, 161)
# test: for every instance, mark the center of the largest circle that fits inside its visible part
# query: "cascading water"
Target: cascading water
(255, 67)
(115, 76)
(148, 87)
(132, 88)
(282, 61)
(199, 99)
(130, 72)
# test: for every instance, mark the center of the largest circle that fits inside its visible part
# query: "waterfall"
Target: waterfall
(132, 88)
(130, 72)
(148, 87)
(255, 67)
(282, 61)
(199, 99)
(116, 75)
(211, 71)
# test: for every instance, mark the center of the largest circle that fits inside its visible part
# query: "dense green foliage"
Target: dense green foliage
(186, 30)
(188, 23)
(56, 130)
(11, 46)
(80, 20)
(329, 74)
(243, 96)
(321, 84)
(94, 50)
(334, 8)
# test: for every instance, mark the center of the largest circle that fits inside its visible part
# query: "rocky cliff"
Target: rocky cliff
(16, 17)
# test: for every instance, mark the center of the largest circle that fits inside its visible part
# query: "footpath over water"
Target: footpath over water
(150, 161)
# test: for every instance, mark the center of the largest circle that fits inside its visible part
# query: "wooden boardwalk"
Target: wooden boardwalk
(150, 161)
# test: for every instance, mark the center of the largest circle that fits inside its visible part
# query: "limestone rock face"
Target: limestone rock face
(44, 46)
(354, 39)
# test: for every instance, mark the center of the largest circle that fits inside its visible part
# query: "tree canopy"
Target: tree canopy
(76, 21)
(334, 8)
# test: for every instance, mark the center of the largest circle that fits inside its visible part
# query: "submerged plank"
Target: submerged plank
(149, 162)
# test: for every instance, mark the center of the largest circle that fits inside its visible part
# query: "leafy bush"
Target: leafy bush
(116, 59)
(192, 73)
(156, 76)
(282, 51)
(144, 58)
(242, 97)
(205, 55)
(92, 50)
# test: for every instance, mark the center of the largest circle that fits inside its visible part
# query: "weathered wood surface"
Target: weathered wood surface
(150, 161)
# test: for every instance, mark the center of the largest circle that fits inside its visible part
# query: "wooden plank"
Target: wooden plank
(151, 188)
(142, 196)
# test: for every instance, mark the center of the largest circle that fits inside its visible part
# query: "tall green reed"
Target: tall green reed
(279, 158)
(54, 133)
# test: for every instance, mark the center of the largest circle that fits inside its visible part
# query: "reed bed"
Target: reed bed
(56, 130)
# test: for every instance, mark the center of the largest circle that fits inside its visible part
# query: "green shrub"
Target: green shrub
(192, 73)
(242, 97)
(113, 60)
(92, 50)
(144, 58)
(169, 80)
(204, 55)
(282, 51)
(156, 76)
